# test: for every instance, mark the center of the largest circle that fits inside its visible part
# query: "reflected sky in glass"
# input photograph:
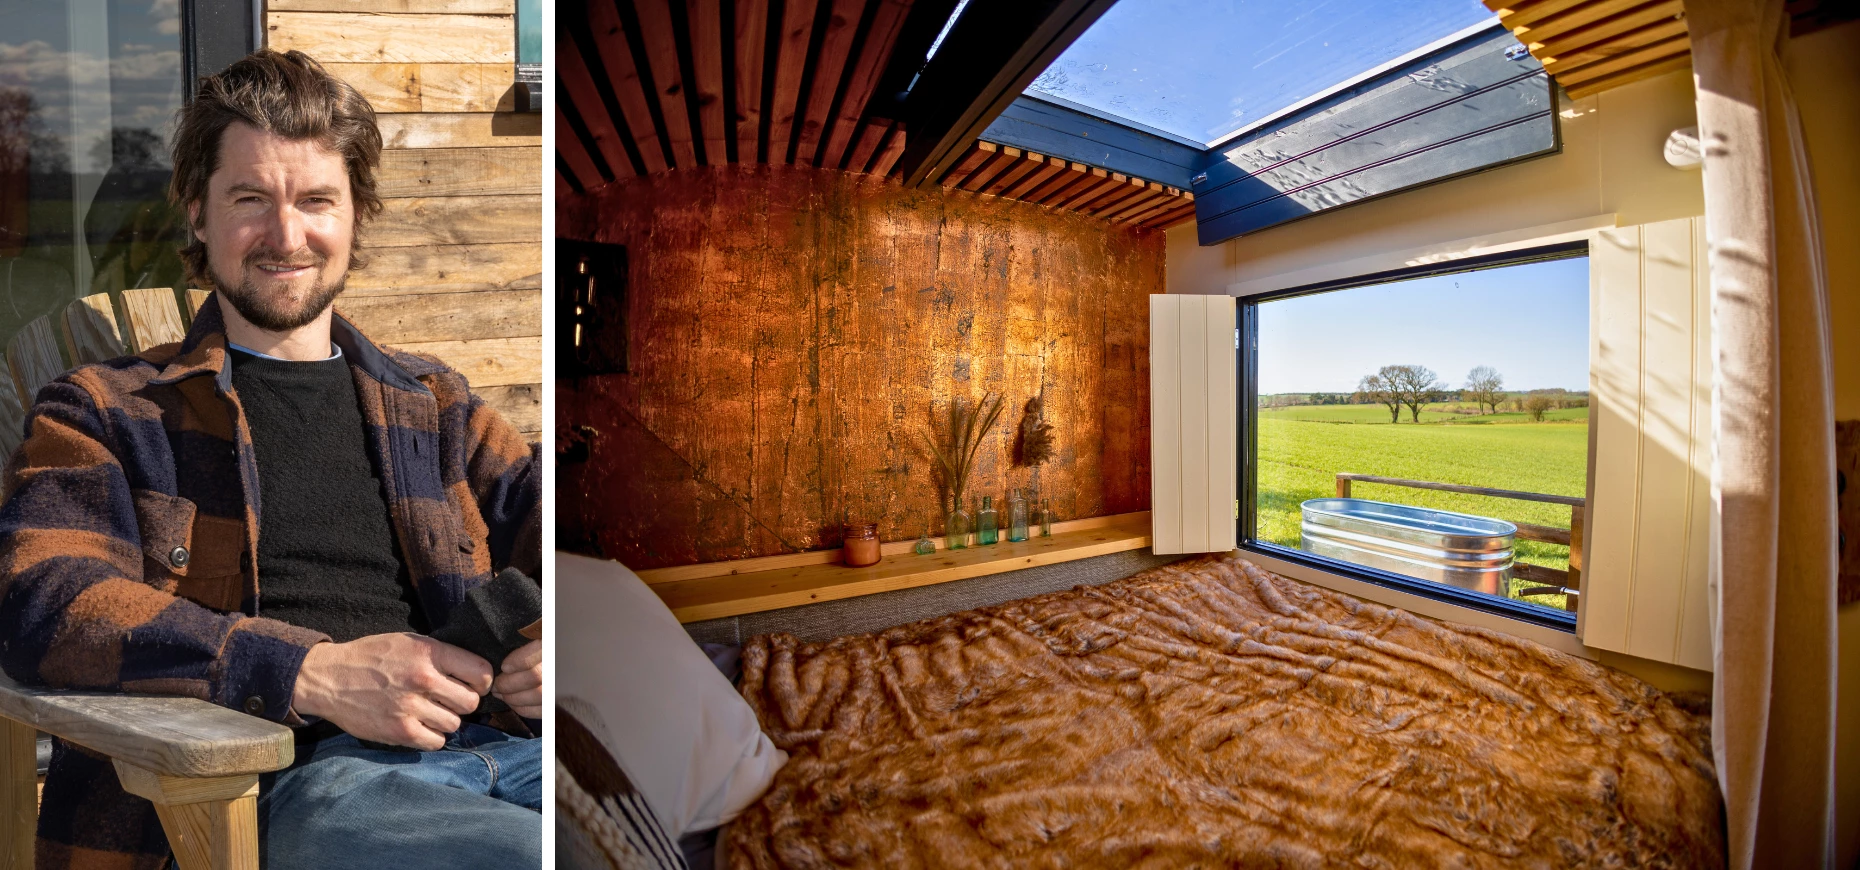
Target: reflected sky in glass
(1530, 321)
(1201, 69)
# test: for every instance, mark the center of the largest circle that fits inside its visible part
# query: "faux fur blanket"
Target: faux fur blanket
(1211, 714)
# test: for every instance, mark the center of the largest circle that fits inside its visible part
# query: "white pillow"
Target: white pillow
(678, 729)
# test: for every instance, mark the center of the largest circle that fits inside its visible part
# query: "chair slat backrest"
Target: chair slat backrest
(154, 318)
(90, 330)
(196, 297)
(33, 358)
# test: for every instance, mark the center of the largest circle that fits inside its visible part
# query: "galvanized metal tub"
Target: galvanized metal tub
(1456, 549)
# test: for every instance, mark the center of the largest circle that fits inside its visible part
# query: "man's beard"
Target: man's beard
(273, 312)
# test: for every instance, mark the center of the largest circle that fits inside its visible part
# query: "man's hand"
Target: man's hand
(520, 683)
(402, 689)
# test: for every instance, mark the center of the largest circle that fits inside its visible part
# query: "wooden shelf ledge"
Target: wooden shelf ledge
(719, 589)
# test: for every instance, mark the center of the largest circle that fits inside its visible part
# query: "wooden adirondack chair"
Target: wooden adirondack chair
(198, 762)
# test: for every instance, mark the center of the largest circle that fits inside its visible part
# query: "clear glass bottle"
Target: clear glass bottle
(987, 524)
(1017, 517)
(1046, 518)
(925, 546)
(956, 528)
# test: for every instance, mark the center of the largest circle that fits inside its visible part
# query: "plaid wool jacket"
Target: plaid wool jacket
(128, 462)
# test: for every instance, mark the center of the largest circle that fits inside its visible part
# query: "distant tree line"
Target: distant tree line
(1411, 387)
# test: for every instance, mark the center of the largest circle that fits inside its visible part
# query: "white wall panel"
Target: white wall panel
(1193, 409)
(1643, 588)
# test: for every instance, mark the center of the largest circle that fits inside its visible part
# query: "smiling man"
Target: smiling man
(273, 515)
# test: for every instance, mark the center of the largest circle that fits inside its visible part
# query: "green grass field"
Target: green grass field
(1301, 450)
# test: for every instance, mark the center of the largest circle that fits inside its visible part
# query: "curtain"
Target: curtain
(1773, 428)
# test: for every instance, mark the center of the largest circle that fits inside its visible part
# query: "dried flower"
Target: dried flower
(967, 425)
(1036, 436)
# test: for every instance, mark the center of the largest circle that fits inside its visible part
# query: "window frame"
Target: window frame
(1247, 359)
(214, 35)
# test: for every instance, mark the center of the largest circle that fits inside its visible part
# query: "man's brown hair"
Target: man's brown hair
(288, 95)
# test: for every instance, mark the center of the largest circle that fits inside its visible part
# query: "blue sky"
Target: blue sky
(1203, 68)
(1531, 322)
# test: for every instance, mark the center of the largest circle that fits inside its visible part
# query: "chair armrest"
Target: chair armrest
(171, 736)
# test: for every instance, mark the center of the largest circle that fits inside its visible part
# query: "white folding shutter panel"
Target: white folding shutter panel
(1193, 411)
(1644, 588)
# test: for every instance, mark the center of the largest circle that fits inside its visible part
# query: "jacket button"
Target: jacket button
(178, 557)
(255, 705)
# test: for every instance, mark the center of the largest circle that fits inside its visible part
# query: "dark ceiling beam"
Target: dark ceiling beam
(921, 25)
(994, 51)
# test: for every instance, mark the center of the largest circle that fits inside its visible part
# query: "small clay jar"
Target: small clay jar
(861, 547)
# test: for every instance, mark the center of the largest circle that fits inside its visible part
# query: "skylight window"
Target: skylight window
(1206, 69)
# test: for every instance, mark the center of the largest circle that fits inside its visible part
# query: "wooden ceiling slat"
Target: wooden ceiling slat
(629, 92)
(1559, 65)
(1051, 167)
(1028, 163)
(1087, 193)
(568, 145)
(1111, 196)
(977, 154)
(1529, 12)
(797, 27)
(1115, 202)
(707, 50)
(1574, 40)
(1634, 74)
(1073, 173)
(1172, 218)
(991, 167)
(887, 22)
(768, 83)
(655, 32)
(868, 143)
(1171, 214)
(1666, 48)
(578, 87)
(890, 151)
(751, 37)
(1589, 46)
(1155, 208)
(1163, 205)
(1144, 204)
(829, 64)
(1086, 178)
(1599, 20)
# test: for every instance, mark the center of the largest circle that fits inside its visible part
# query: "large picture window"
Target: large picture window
(1426, 429)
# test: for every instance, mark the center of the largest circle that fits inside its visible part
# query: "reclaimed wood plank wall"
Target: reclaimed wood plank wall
(791, 329)
(455, 260)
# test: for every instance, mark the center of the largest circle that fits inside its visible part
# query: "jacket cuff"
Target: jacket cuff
(261, 660)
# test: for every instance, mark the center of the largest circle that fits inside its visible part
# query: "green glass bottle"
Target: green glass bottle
(1046, 518)
(1017, 517)
(956, 528)
(987, 528)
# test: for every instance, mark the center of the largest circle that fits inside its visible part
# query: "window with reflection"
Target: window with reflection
(88, 95)
(1427, 429)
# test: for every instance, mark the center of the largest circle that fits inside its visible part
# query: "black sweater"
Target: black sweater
(327, 556)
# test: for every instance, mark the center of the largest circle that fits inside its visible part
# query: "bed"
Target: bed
(1209, 713)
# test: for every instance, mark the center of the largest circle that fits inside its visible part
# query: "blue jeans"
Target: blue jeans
(475, 803)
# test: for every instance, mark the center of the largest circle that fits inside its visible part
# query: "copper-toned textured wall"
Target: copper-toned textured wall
(791, 329)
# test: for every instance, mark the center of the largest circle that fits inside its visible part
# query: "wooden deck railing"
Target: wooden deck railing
(1567, 583)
